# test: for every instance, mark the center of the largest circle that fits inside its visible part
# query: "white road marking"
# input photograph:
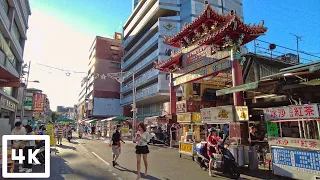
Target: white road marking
(110, 170)
(119, 178)
(101, 159)
(114, 174)
(83, 147)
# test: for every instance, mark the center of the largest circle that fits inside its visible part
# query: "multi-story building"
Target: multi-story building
(142, 43)
(100, 95)
(14, 15)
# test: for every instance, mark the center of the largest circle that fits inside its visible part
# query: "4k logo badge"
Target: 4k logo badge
(17, 155)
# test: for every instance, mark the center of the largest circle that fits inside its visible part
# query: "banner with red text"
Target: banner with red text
(292, 112)
(39, 102)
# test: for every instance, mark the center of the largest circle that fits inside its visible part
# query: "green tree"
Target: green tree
(54, 116)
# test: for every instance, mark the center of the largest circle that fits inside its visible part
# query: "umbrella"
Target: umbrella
(63, 119)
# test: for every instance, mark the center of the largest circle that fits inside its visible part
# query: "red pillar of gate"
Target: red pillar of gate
(173, 97)
(236, 80)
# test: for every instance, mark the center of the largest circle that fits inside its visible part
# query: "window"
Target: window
(115, 65)
(8, 90)
(5, 5)
(16, 31)
(116, 48)
(115, 56)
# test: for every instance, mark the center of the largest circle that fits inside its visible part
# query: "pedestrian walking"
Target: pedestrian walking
(27, 168)
(86, 129)
(142, 139)
(60, 131)
(116, 146)
(93, 130)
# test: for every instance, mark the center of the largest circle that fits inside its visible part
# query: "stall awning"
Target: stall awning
(118, 118)
(91, 121)
(243, 87)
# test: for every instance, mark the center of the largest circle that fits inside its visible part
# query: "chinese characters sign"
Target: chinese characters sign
(242, 113)
(39, 102)
(220, 114)
(202, 72)
(312, 144)
(272, 128)
(184, 117)
(291, 112)
(298, 160)
(8, 104)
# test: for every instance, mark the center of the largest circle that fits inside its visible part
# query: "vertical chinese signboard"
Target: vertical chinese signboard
(39, 102)
(292, 112)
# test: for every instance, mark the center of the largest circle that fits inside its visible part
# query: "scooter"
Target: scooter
(41, 154)
(69, 135)
(224, 161)
(159, 138)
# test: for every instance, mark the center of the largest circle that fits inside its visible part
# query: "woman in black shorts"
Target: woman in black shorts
(142, 138)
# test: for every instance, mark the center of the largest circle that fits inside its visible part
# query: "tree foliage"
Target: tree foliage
(54, 116)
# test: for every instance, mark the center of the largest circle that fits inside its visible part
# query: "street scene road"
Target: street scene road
(91, 158)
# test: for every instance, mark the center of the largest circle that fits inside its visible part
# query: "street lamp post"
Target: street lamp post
(120, 76)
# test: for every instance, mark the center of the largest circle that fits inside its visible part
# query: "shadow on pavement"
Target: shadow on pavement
(120, 168)
(66, 147)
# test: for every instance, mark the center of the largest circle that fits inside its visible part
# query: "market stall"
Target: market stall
(232, 116)
(190, 123)
(295, 144)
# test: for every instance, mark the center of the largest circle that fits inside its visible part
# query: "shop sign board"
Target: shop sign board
(196, 118)
(186, 147)
(204, 71)
(8, 104)
(39, 102)
(295, 163)
(220, 114)
(292, 112)
(205, 60)
(311, 144)
(242, 113)
(184, 117)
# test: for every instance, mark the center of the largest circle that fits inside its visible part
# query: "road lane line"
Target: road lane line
(114, 174)
(119, 178)
(83, 147)
(101, 159)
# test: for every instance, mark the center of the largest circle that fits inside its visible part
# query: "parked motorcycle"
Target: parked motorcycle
(160, 138)
(224, 160)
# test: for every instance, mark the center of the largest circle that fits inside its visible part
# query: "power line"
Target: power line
(60, 69)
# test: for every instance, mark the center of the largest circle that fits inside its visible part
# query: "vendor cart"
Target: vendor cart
(232, 116)
(295, 144)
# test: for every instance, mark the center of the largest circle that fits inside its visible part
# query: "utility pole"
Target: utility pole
(298, 38)
(24, 94)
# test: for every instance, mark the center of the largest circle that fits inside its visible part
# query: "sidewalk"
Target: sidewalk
(54, 168)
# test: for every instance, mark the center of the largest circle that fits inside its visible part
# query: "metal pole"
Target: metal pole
(134, 107)
(24, 94)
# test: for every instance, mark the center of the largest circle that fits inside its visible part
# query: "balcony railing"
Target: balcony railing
(149, 59)
(141, 94)
(143, 78)
(146, 46)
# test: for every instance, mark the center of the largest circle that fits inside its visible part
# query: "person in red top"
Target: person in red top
(212, 142)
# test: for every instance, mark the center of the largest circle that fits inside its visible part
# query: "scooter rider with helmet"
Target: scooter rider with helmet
(212, 143)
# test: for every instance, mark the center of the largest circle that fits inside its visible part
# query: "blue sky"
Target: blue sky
(61, 32)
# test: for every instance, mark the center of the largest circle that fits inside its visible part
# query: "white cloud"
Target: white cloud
(54, 43)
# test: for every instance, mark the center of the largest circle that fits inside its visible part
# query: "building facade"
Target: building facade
(14, 16)
(100, 95)
(142, 43)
